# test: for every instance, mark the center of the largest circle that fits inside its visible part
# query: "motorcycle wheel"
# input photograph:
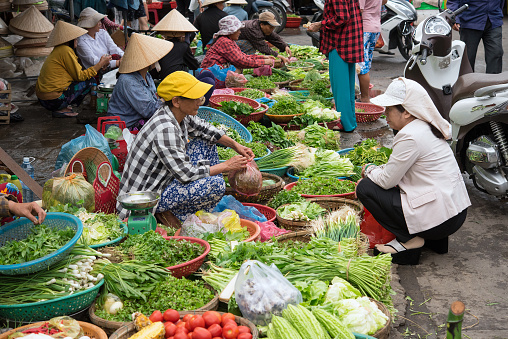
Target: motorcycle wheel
(275, 13)
(283, 17)
(405, 45)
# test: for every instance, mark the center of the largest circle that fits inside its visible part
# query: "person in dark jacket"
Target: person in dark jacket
(208, 22)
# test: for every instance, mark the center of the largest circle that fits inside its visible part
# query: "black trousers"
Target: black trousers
(492, 42)
(386, 208)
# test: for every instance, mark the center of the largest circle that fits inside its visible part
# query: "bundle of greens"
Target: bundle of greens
(230, 132)
(274, 135)
(321, 88)
(301, 211)
(298, 156)
(324, 186)
(338, 225)
(317, 136)
(280, 76)
(369, 152)
(251, 94)
(262, 82)
(300, 64)
(235, 108)
(258, 149)
(285, 197)
(285, 105)
(328, 164)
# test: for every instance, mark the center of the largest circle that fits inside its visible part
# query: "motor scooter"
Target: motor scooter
(476, 105)
(277, 7)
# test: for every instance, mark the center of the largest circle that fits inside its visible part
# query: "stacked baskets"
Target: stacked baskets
(35, 29)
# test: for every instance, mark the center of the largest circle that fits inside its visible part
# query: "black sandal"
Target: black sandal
(403, 255)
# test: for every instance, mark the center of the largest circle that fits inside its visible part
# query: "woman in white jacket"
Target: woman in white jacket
(419, 195)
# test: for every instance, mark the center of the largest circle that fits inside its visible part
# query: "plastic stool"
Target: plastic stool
(155, 14)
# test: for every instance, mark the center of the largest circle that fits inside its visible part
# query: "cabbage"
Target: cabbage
(360, 315)
(341, 289)
(99, 228)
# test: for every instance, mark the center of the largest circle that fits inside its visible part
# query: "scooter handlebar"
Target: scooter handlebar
(423, 59)
(460, 10)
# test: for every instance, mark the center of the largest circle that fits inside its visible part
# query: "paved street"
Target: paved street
(474, 271)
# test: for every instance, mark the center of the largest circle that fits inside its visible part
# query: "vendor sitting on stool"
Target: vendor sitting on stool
(419, 195)
(98, 42)
(255, 34)
(175, 154)
(134, 97)
(62, 81)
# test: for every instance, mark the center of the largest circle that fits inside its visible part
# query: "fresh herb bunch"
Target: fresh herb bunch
(285, 197)
(152, 247)
(300, 64)
(41, 241)
(317, 136)
(285, 105)
(258, 149)
(262, 82)
(235, 108)
(274, 135)
(177, 294)
(303, 121)
(228, 236)
(251, 94)
(280, 76)
(320, 88)
(324, 186)
(369, 152)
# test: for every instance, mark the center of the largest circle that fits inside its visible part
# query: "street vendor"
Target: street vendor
(175, 154)
(419, 195)
(9, 207)
(255, 34)
(97, 42)
(134, 98)
(225, 51)
(235, 7)
(208, 21)
(62, 81)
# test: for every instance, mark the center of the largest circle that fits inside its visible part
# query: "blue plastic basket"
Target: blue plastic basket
(292, 177)
(345, 151)
(362, 336)
(19, 229)
(114, 241)
(213, 115)
(268, 152)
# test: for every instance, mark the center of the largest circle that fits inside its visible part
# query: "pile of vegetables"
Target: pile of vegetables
(258, 149)
(235, 108)
(230, 132)
(285, 105)
(317, 136)
(323, 186)
(369, 151)
(275, 135)
(280, 76)
(262, 82)
(251, 94)
(298, 156)
(328, 164)
(338, 225)
(301, 211)
(99, 228)
(285, 197)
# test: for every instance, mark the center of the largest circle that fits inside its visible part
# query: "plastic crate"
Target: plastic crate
(213, 115)
(20, 229)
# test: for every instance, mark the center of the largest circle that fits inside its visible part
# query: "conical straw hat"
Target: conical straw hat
(207, 3)
(27, 42)
(64, 32)
(33, 51)
(142, 51)
(3, 27)
(174, 21)
(28, 34)
(31, 20)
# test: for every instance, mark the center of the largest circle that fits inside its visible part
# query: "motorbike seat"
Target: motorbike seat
(467, 84)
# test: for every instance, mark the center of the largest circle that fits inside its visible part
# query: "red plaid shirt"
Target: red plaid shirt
(225, 51)
(342, 29)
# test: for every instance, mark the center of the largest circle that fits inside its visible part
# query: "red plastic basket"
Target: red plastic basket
(244, 119)
(349, 195)
(241, 89)
(215, 100)
(268, 212)
(371, 114)
(187, 268)
(120, 152)
(107, 192)
(155, 5)
(77, 166)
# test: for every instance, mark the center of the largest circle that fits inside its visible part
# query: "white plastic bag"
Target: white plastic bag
(194, 227)
(262, 291)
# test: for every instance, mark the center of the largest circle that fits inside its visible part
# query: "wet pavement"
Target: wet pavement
(474, 271)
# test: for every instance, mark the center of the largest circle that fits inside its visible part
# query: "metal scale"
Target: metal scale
(141, 219)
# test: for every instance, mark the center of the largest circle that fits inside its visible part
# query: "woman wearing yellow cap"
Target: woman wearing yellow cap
(175, 155)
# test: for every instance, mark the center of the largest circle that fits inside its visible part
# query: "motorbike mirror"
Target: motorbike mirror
(439, 6)
(490, 90)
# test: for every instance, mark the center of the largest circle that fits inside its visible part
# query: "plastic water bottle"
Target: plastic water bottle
(28, 195)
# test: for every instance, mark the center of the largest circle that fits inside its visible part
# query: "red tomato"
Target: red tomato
(187, 317)
(171, 315)
(244, 336)
(230, 332)
(201, 333)
(243, 329)
(170, 329)
(181, 329)
(190, 336)
(181, 335)
(212, 317)
(229, 322)
(196, 321)
(171, 338)
(187, 326)
(215, 330)
(227, 316)
(156, 316)
(181, 324)
(217, 338)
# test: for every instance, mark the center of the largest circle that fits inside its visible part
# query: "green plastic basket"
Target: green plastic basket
(277, 171)
(362, 336)
(45, 310)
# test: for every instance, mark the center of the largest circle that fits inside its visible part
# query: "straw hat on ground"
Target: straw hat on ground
(142, 51)
(6, 49)
(31, 21)
(211, 2)
(27, 42)
(89, 18)
(3, 27)
(236, 2)
(174, 21)
(33, 51)
(64, 32)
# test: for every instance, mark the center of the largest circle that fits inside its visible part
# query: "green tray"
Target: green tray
(277, 171)
(45, 310)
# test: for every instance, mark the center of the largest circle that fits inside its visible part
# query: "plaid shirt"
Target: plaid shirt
(158, 154)
(4, 204)
(252, 32)
(225, 51)
(342, 29)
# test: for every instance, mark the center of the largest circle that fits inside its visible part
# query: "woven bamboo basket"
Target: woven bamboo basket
(267, 192)
(383, 333)
(302, 236)
(90, 330)
(129, 330)
(328, 203)
(91, 157)
(111, 326)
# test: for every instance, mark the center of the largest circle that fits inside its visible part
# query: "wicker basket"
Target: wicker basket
(282, 119)
(295, 85)
(215, 100)
(212, 115)
(267, 192)
(91, 157)
(252, 227)
(89, 330)
(302, 236)
(307, 67)
(349, 195)
(256, 116)
(383, 333)
(111, 326)
(268, 212)
(371, 114)
(129, 330)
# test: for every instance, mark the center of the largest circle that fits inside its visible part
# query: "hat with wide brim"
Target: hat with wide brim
(269, 17)
(31, 21)
(89, 18)
(211, 2)
(4, 29)
(29, 34)
(6, 49)
(236, 2)
(33, 51)
(64, 32)
(174, 21)
(28, 42)
(143, 51)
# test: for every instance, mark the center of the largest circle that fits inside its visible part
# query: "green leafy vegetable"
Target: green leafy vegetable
(313, 291)
(285, 105)
(251, 94)
(324, 186)
(301, 211)
(235, 108)
(274, 135)
(317, 136)
(368, 152)
(285, 197)
(258, 149)
(262, 82)
(328, 164)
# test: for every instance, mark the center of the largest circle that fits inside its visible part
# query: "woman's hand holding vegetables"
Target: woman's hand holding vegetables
(237, 162)
(245, 151)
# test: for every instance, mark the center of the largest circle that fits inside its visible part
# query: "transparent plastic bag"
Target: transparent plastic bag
(229, 221)
(262, 291)
(245, 212)
(68, 326)
(234, 79)
(193, 226)
(72, 189)
(247, 181)
(269, 230)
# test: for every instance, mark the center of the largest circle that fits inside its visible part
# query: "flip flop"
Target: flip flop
(64, 114)
(403, 256)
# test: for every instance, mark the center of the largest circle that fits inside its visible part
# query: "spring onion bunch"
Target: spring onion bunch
(328, 164)
(218, 277)
(336, 229)
(298, 156)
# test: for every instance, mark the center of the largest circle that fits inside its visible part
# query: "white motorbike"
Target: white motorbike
(475, 104)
